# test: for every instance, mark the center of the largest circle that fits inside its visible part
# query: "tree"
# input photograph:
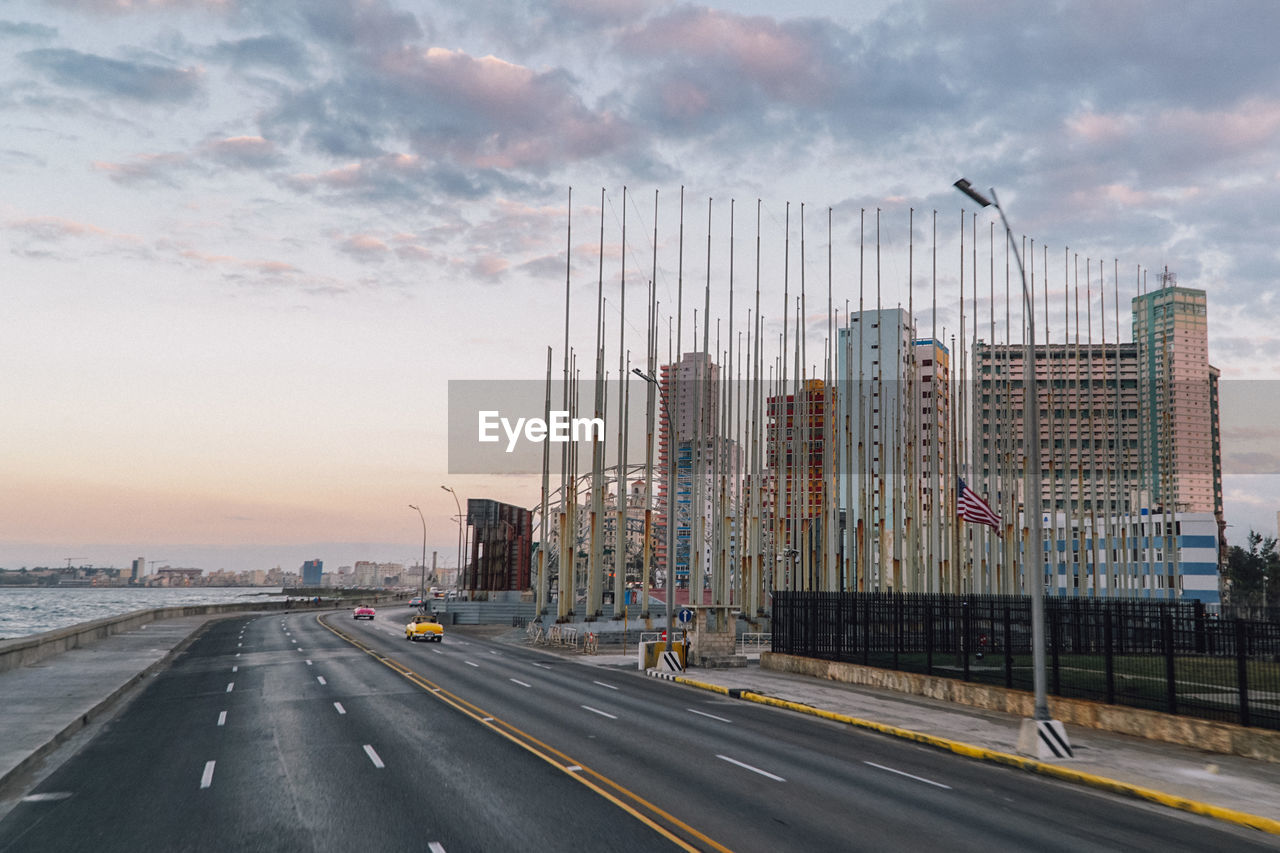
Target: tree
(1254, 574)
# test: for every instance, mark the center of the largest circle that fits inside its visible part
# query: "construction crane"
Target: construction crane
(69, 559)
(151, 564)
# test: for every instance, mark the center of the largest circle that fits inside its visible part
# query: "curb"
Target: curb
(1030, 765)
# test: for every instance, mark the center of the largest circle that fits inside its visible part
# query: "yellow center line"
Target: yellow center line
(547, 753)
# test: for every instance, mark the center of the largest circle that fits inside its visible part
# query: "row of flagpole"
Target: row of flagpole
(803, 471)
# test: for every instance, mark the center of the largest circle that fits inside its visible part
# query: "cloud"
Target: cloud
(364, 247)
(56, 228)
(58, 238)
(23, 29)
(127, 6)
(370, 25)
(266, 51)
(147, 169)
(244, 152)
(136, 81)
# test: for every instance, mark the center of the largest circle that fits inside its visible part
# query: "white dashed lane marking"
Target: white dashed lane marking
(206, 779)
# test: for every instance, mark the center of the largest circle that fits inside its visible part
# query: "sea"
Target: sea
(24, 612)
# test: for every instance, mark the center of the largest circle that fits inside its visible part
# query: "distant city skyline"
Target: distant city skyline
(249, 243)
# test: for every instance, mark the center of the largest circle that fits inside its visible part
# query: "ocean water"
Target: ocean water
(24, 612)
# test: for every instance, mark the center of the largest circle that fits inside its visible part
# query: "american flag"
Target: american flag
(971, 507)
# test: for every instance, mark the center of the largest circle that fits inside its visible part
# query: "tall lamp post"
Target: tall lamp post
(1044, 731)
(671, 510)
(422, 581)
(458, 580)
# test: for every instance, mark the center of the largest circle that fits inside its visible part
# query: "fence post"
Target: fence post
(964, 636)
(866, 629)
(1055, 640)
(897, 626)
(1242, 669)
(1108, 658)
(1199, 617)
(928, 638)
(1166, 639)
(1008, 648)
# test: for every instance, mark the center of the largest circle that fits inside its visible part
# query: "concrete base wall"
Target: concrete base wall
(1209, 735)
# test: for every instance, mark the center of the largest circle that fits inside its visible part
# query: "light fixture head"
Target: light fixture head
(967, 188)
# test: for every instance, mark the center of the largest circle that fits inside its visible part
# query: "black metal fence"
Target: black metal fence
(1165, 656)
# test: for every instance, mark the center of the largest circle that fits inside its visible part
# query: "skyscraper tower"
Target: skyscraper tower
(1177, 387)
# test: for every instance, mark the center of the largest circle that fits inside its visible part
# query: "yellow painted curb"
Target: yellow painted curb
(1252, 821)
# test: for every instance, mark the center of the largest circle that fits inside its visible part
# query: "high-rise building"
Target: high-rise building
(895, 467)
(690, 400)
(1089, 411)
(1129, 446)
(312, 572)
(1178, 429)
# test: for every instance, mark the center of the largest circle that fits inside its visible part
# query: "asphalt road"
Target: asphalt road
(276, 733)
(749, 777)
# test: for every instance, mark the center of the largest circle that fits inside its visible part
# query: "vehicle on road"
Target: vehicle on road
(364, 611)
(424, 628)
(416, 601)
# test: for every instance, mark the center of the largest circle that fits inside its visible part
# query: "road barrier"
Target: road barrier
(754, 643)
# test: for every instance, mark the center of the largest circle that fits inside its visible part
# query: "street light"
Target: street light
(1031, 488)
(422, 581)
(458, 579)
(671, 507)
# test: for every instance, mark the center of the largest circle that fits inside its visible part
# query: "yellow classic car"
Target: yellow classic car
(424, 628)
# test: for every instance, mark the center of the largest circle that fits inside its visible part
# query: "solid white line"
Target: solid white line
(597, 711)
(320, 678)
(521, 683)
(207, 778)
(338, 705)
(764, 773)
(602, 684)
(469, 663)
(436, 847)
(231, 686)
(908, 775)
(373, 756)
(50, 797)
(222, 718)
(705, 714)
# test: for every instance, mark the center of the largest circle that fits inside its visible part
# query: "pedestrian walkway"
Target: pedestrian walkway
(47, 703)
(1226, 783)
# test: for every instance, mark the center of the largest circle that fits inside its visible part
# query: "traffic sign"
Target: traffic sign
(685, 616)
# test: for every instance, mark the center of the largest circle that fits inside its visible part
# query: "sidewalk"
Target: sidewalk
(47, 703)
(1205, 780)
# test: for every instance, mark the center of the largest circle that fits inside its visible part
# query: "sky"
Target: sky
(248, 243)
